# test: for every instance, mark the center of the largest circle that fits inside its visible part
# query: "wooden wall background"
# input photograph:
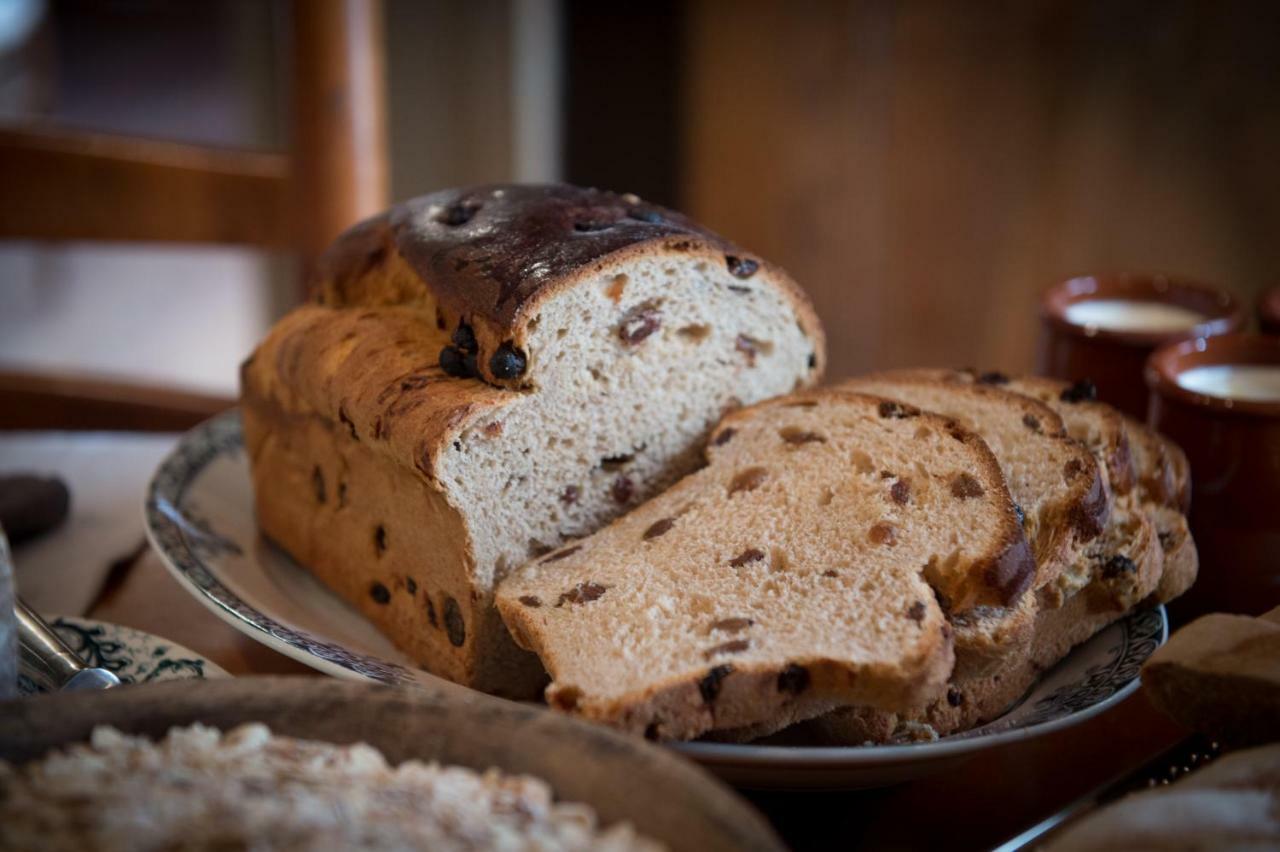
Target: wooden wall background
(925, 169)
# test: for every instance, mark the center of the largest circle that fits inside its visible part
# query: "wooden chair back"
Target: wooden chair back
(69, 185)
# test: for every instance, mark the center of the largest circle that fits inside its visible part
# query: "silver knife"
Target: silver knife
(47, 660)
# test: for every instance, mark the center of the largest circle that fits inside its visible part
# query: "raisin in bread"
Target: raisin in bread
(783, 578)
(488, 373)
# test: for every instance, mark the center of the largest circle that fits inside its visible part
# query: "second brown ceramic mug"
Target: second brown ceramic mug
(1095, 327)
(1219, 399)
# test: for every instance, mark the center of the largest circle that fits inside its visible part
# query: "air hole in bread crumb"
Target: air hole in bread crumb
(696, 332)
(827, 495)
(862, 462)
(780, 560)
(561, 333)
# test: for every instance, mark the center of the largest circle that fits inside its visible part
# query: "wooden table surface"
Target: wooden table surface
(976, 805)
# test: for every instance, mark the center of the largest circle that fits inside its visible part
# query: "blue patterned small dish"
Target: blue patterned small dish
(199, 515)
(131, 655)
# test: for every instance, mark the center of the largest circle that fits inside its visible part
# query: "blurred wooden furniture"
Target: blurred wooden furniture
(926, 169)
(64, 185)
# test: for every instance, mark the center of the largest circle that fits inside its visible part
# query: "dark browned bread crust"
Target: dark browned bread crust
(489, 255)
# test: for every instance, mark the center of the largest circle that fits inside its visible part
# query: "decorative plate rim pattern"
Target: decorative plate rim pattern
(185, 541)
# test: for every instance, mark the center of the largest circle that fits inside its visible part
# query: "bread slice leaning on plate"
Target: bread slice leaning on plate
(489, 372)
(799, 570)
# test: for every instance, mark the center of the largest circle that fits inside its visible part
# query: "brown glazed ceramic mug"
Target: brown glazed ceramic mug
(1111, 352)
(1269, 311)
(1233, 445)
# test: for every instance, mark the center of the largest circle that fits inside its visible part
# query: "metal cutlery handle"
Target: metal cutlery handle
(48, 661)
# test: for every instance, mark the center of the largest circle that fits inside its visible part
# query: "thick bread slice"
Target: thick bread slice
(1181, 559)
(1163, 474)
(1220, 675)
(386, 460)
(1131, 455)
(1054, 480)
(788, 574)
(993, 671)
(1095, 424)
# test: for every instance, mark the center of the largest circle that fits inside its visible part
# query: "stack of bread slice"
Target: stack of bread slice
(899, 556)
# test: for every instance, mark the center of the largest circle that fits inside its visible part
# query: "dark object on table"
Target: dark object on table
(1230, 804)
(30, 505)
(1165, 768)
(1220, 675)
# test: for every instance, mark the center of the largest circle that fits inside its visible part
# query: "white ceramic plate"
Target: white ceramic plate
(131, 655)
(199, 514)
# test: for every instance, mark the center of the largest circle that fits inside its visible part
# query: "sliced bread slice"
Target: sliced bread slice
(1136, 460)
(1095, 424)
(1163, 474)
(1181, 559)
(991, 675)
(791, 573)
(1055, 481)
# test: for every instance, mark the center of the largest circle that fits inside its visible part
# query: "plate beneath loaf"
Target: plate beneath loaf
(199, 514)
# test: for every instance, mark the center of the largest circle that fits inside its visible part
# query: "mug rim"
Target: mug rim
(1225, 312)
(1166, 363)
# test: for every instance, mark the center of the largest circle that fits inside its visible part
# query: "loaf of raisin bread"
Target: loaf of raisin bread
(783, 578)
(490, 372)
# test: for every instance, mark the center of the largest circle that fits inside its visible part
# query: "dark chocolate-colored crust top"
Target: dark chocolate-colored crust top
(485, 251)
